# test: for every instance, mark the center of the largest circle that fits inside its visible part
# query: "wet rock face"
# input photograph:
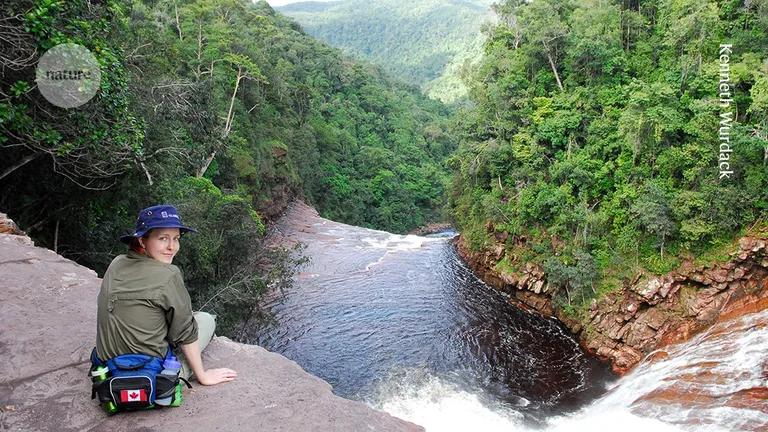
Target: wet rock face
(649, 312)
(281, 196)
(48, 306)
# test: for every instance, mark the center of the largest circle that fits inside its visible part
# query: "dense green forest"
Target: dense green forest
(222, 107)
(602, 138)
(615, 137)
(424, 42)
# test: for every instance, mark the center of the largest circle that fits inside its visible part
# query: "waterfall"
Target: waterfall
(717, 381)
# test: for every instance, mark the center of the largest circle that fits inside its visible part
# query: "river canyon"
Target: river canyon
(401, 323)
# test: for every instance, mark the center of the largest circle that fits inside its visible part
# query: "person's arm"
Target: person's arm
(182, 332)
(205, 377)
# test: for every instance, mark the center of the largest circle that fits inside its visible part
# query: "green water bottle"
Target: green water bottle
(177, 397)
(98, 375)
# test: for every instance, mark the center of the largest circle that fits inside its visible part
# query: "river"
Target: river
(399, 322)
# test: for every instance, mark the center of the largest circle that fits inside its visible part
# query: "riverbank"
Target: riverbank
(49, 311)
(648, 312)
(431, 228)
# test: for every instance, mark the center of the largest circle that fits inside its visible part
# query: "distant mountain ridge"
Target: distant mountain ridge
(308, 6)
(422, 42)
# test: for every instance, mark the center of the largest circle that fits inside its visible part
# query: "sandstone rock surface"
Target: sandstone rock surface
(8, 226)
(48, 306)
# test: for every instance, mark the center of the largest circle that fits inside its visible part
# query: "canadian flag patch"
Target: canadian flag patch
(133, 395)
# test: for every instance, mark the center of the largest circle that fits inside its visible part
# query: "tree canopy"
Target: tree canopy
(596, 135)
(426, 43)
(223, 107)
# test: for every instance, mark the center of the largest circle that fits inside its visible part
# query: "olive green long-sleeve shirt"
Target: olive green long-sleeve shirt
(142, 306)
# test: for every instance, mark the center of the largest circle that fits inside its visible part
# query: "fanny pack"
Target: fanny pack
(134, 382)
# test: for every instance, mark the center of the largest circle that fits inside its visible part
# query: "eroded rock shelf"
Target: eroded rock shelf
(649, 312)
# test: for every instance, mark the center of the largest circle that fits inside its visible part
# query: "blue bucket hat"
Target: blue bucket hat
(159, 216)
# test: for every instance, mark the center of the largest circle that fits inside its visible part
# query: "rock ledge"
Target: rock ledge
(48, 307)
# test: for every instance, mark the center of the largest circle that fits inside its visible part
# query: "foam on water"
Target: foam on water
(610, 420)
(395, 242)
(440, 406)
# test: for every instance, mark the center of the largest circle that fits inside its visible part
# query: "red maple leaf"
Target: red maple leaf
(134, 395)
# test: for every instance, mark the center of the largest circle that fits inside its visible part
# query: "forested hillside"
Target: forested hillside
(222, 107)
(611, 138)
(423, 42)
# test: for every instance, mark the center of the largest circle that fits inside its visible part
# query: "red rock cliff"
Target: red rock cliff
(648, 312)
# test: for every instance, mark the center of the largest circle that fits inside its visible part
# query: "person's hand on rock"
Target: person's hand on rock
(216, 376)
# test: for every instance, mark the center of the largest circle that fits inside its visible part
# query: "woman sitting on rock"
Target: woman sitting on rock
(143, 304)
